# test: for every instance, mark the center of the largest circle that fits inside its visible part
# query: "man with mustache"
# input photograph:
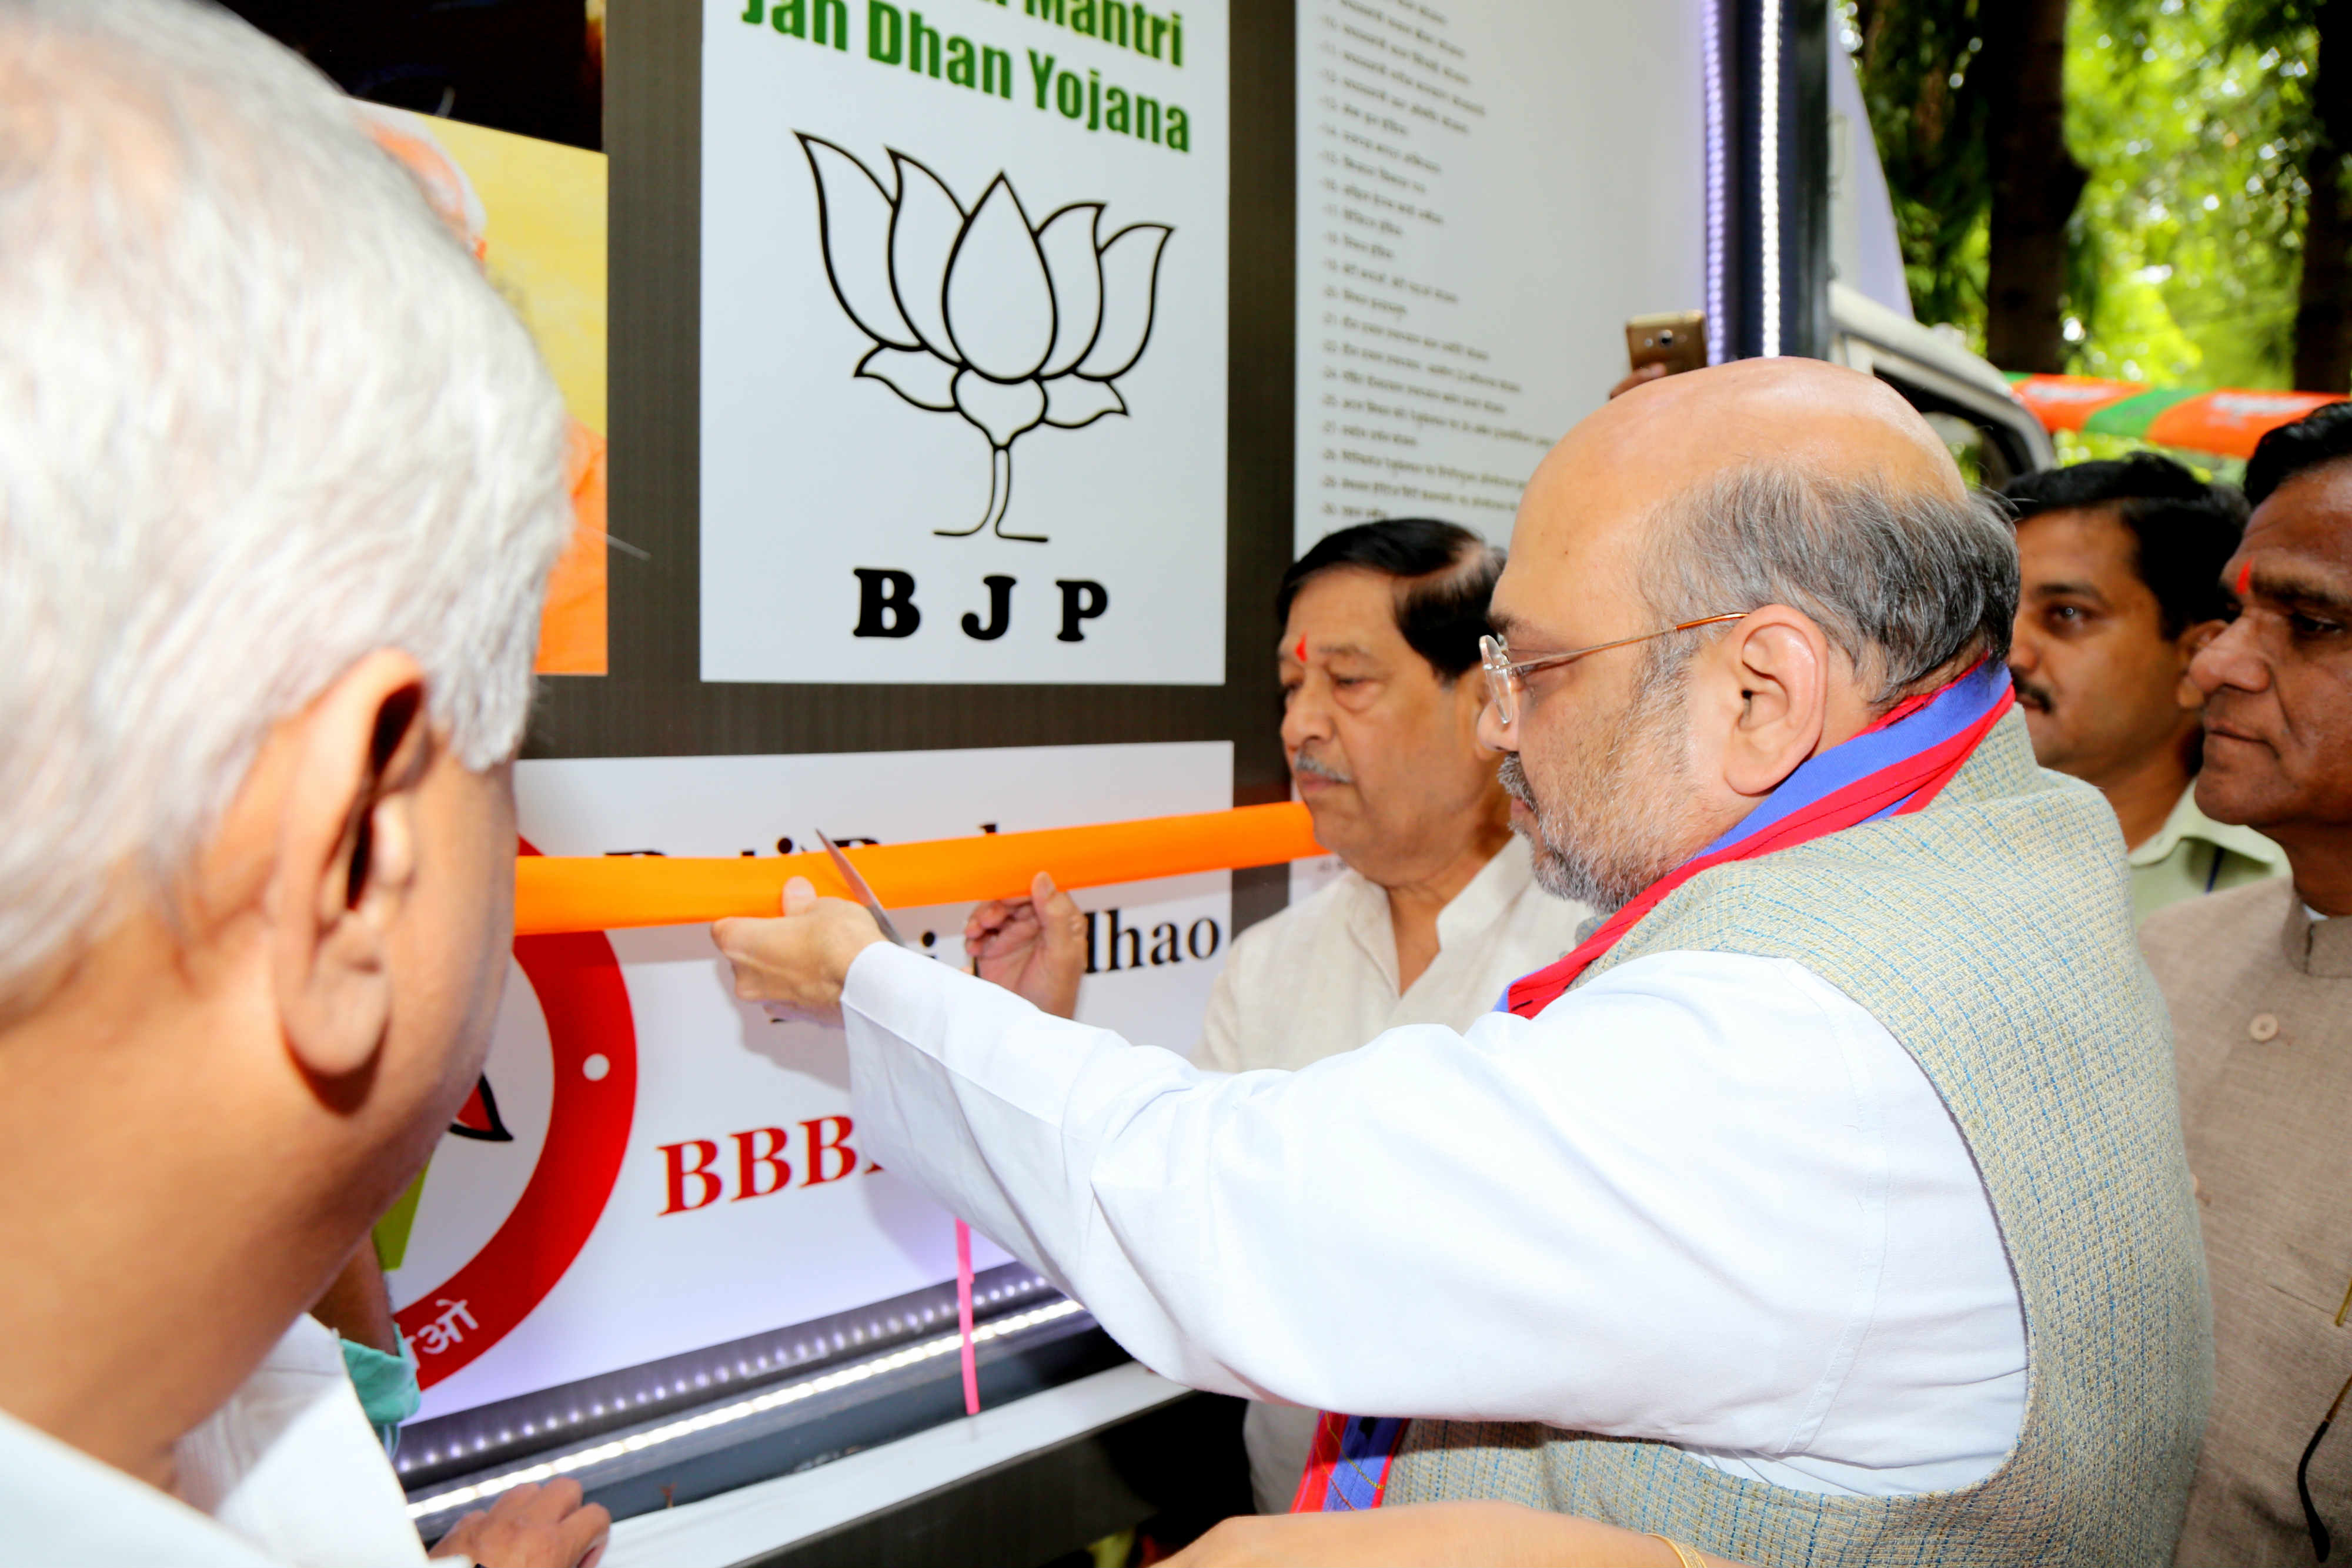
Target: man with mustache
(1439, 908)
(1826, 1204)
(2260, 982)
(2120, 569)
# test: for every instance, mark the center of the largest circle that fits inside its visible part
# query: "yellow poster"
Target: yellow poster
(533, 213)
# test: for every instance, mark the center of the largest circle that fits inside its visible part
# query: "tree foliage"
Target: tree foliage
(1912, 58)
(2194, 121)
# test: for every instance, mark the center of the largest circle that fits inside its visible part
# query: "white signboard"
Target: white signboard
(1486, 194)
(655, 1166)
(963, 341)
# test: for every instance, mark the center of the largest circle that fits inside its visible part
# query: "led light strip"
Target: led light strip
(833, 1336)
(1718, 322)
(563, 1464)
(1768, 171)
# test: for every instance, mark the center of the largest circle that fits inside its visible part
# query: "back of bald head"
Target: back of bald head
(1683, 432)
(1799, 483)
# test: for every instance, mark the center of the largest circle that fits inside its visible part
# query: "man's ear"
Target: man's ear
(345, 861)
(1779, 660)
(1469, 695)
(2188, 645)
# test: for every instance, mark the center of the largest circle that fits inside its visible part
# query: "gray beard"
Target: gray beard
(1620, 822)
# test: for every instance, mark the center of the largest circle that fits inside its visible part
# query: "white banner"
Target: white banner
(963, 341)
(1486, 194)
(653, 1166)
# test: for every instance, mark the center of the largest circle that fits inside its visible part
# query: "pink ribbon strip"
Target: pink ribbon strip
(963, 1317)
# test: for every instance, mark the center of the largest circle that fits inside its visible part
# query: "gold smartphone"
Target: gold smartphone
(1676, 339)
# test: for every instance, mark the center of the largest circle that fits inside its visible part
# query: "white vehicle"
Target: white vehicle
(1994, 435)
(1872, 328)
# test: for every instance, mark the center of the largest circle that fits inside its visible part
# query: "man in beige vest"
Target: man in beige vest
(1826, 1206)
(2260, 983)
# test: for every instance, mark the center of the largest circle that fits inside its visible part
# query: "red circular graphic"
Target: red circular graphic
(577, 980)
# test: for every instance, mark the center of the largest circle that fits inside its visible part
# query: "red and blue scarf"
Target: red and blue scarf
(1898, 766)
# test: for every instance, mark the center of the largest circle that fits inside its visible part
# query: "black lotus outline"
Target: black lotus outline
(951, 357)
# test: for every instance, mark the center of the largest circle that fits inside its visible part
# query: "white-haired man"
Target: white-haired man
(280, 483)
(1826, 1206)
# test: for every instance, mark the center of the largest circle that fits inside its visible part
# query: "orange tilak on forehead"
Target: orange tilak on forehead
(1299, 653)
(2245, 578)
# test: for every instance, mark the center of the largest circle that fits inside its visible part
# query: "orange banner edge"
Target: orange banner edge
(554, 895)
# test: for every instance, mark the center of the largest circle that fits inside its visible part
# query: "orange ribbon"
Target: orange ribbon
(605, 893)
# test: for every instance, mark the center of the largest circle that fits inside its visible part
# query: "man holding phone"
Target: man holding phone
(1662, 345)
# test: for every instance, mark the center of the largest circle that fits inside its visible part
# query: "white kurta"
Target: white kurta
(1320, 978)
(1705, 1199)
(287, 1473)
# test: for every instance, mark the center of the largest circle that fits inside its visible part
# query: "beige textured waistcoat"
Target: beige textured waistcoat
(2261, 1008)
(1991, 934)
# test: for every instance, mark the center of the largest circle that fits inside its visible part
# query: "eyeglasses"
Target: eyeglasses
(1505, 680)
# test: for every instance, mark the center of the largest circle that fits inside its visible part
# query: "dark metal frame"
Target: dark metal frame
(1796, 100)
(1177, 1469)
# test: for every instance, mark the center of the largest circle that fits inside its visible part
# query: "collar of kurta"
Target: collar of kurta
(2321, 948)
(2187, 821)
(1484, 900)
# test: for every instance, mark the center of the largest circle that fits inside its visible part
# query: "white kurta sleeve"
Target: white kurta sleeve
(1220, 1049)
(1659, 1210)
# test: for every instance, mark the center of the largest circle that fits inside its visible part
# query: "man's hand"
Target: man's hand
(798, 962)
(1427, 1536)
(532, 1527)
(1035, 948)
(1641, 377)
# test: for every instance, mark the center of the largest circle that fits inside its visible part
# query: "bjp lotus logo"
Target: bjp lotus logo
(979, 312)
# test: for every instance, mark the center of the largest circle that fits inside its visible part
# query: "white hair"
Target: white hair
(260, 415)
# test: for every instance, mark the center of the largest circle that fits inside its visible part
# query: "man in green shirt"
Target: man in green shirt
(2121, 566)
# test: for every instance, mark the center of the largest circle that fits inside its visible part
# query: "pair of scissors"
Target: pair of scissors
(863, 893)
